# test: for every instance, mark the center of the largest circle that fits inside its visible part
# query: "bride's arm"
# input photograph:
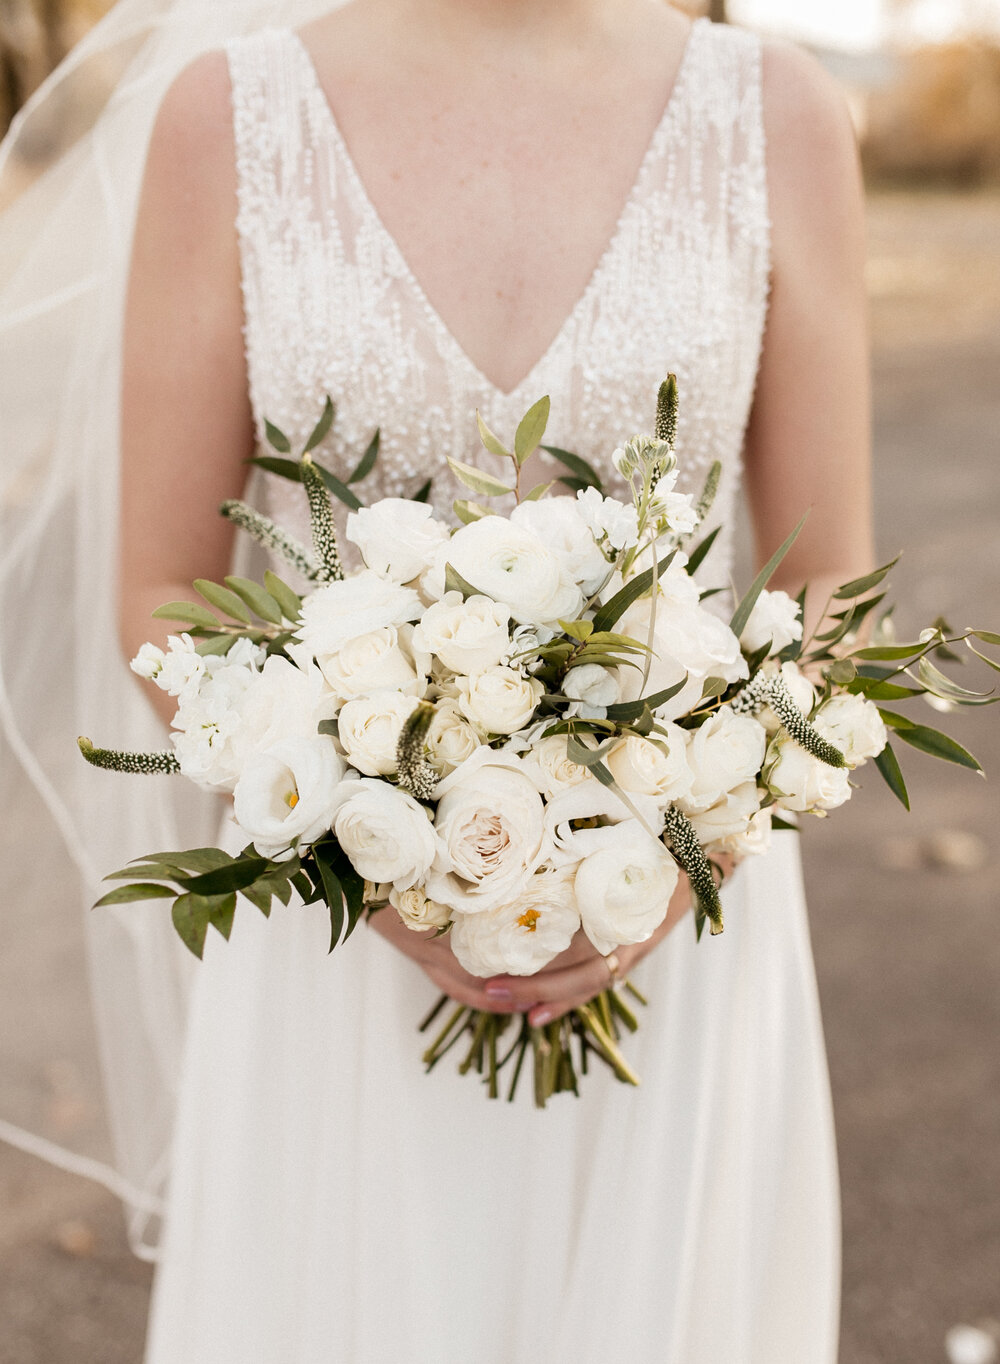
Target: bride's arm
(808, 443)
(186, 421)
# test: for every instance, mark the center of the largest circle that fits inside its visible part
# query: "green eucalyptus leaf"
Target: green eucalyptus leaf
(942, 686)
(189, 612)
(628, 711)
(889, 652)
(493, 443)
(454, 582)
(881, 691)
(531, 429)
(276, 438)
(939, 745)
(990, 662)
(290, 602)
(577, 629)
(842, 673)
(859, 586)
(987, 636)
(478, 480)
(537, 492)
(192, 915)
(190, 859)
(259, 894)
(137, 890)
(603, 775)
(367, 461)
(283, 468)
(598, 656)
(742, 613)
(322, 428)
(584, 473)
(579, 752)
(888, 764)
(216, 646)
(223, 599)
(714, 687)
(257, 598)
(467, 511)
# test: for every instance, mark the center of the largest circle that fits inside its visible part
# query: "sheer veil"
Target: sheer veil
(65, 236)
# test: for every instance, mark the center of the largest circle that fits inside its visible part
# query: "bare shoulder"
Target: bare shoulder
(813, 165)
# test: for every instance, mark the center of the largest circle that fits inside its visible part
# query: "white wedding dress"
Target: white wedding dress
(330, 1203)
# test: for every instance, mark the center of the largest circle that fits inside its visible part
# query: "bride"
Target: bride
(425, 207)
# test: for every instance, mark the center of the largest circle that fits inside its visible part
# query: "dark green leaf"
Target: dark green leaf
(585, 756)
(939, 745)
(880, 691)
(612, 611)
(742, 613)
(332, 891)
(714, 686)
(339, 489)
(894, 720)
(778, 823)
(191, 915)
(223, 599)
(331, 728)
(283, 468)
(257, 598)
(575, 485)
(367, 462)
(222, 915)
(889, 651)
(190, 859)
(187, 611)
(141, 890)
(628, 711)
(859, 586)
(322, 428)
(888, 764)
(241, 872)
(582, 471)
(700, 551)
(276, 438)
(423, 492)
(531, 429)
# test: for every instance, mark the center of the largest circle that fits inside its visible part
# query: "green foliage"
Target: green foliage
(454, 582)
(367, 462)
(322, 428)
(187, 612)
(700, 552)
(859, 586)
(612, 611)
(478, 480)
(530, 430)
(742, 612)
(888, 764)
(584, 474)
(493, 443)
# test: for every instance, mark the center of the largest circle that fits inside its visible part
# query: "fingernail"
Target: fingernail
(499, 993)
(540, 1017)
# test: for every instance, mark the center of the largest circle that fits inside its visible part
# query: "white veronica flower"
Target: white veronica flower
(397, 537)
(800, 689)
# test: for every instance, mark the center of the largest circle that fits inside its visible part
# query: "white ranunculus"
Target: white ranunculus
(417, 912)
(376, 661)
(512, 565)
(387, 835)
(498, 700)
(397, 537)
(288, 793)
(606, 516)
(281, 702)
(775, 618)
(334, 615)
(583, 804)
(490, 824)
(623, 885)
(369, 728)
(520, 937)
(800, 782)
(799, 688)
(559, 523)
(592, 684)
(653, 767)
(728, 819)
(450, 739)
(726, 751)
(467, 636)
(852, 724)
(551, 768)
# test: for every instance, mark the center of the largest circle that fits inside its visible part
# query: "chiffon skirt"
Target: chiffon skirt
(332, 1204)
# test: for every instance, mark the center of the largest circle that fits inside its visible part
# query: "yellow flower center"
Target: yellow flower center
(529, 919)
(292, 799)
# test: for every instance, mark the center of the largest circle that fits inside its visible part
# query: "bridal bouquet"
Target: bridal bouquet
(515, 729)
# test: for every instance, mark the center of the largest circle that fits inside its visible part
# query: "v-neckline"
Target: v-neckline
(631, 202)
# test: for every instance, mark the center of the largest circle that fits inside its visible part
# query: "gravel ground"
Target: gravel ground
(901, 906)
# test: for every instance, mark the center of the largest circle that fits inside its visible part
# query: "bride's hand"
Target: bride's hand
(435, 957)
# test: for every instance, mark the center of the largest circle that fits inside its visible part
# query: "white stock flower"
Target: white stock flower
(512, 565)
(522, 936)
(658, 768)
(489, 821)
(725, 826)
(559, 523)
(801, 691)
(606, 516)
(852, 724)
(498, 700)
(800, 782)
(397, 537)
(182, 668)
(369, 728)
(595, 686)
(550, 766)
(386, 834)
(623, 885)
(417, 912)
(341, 611)
(726, 751)
(209, 725)
(677, 510)
(467, 636)
(288, 793)
(148, 662)
(376, 661)
(775, 618)
(450, 739)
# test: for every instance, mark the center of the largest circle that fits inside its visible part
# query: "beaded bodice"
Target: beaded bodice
(331, 305)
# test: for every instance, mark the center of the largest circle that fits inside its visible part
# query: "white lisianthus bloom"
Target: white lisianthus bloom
(288, 793)
(369, 728)
(512, 565)
(800, 782)
(397, 537)
(727, 822)
(550, 767)
(490, 827)
(775, 618)
(559, 523)
(387, 835)
(623, 885)
(726, 751)
(521, 937)
(451, 738)
(148, 662)
(597, 687)
(341, 611)
(586, 802)
(417, 912)
(658, 768)
(377, 661)
(801, 691)
(852, 724)
(467, 636)
(607, 517)
(498, 700)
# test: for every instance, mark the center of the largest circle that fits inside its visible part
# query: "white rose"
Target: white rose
(450, 739)
(623, 886)
(288, 793)
(854, 725)
(369, 728)
(798, 781)
(377, 661)
(586, 802)
(728, 820)
(148, 661)
(801, 691)
(595, 686)
(467, 636)
(490, 825)
(498, 700)
(521, 937)
(417, 912)
(657, 768)
(725, 752)
(775, 619)
(397, 537)
(550, 766)
(341, 611)
(387, 835)
(606, 516)
(559, 523)
(512, 565)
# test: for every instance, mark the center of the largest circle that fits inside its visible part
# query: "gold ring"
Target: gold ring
(614, 967)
